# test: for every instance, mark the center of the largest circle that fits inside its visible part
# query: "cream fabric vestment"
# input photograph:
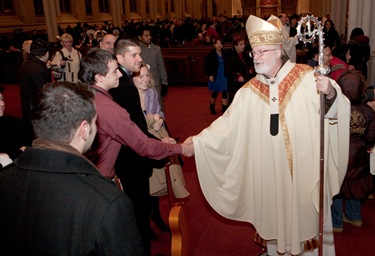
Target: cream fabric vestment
(247, 174)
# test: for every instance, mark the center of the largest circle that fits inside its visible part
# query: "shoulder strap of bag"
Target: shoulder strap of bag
(62, 54)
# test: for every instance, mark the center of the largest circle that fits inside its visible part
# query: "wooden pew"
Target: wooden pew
(185, 64)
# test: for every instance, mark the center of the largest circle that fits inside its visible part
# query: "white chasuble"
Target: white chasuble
(272, 181)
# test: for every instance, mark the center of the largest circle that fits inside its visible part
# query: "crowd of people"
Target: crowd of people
(123, 141)
(165, 33)
(103, 120)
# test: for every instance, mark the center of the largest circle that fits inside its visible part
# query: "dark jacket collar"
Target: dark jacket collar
(55, 161)
(36, 60)
(124, 71)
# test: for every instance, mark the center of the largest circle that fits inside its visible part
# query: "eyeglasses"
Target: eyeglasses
(260, 53)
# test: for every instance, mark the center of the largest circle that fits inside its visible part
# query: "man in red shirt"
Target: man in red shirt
(99, 68)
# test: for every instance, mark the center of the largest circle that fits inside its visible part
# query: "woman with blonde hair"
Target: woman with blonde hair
(155, 122)
(69, 58)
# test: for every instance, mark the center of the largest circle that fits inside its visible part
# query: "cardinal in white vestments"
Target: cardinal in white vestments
(260, 161)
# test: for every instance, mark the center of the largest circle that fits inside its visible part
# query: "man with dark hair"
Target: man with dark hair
(121, 133)
(224, 28)
(33, 74)
(54, 201)
(151, 54)
(135, 170)
(99, 68)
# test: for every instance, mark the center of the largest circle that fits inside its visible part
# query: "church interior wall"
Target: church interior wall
(24, 12)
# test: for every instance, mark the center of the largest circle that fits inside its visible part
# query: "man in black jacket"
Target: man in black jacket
(134, 170)
(53, 200)
(33, 74)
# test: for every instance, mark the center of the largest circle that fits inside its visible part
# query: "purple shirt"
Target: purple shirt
(115, 129)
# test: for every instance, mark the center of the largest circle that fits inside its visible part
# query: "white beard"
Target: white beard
(262, 68)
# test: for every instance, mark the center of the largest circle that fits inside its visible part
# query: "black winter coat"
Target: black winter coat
(32, 75)
(131, 167)
(57, 203)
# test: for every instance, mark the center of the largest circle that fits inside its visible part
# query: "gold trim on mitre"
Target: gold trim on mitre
(275, 21)
(261, 32)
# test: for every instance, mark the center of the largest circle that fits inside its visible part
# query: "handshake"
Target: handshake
(187, 145)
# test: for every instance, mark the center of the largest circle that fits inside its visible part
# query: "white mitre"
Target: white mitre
(261, 32)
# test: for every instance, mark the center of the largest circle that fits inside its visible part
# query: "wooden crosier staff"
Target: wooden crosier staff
(312, 29)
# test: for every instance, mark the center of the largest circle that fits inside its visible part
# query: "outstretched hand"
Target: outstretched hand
(188, 147)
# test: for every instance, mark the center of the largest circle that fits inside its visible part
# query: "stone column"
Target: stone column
(115, 7)
(50, 16)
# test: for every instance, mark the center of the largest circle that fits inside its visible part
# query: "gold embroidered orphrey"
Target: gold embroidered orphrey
(286, 89)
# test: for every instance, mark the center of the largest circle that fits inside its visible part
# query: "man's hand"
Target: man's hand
(188, 147)
(164, 90)
(324, 85)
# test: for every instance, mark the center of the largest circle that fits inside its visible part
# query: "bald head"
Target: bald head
(108, 43)
(284, 19)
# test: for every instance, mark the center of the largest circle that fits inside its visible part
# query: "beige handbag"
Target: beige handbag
(158, 182)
